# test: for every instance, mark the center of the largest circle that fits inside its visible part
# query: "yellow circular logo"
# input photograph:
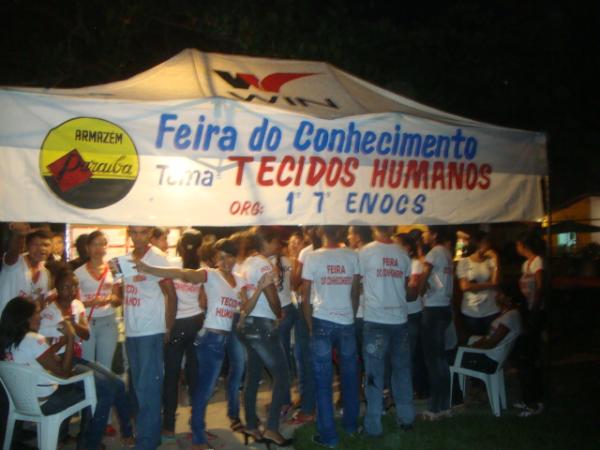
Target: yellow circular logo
(90, 163)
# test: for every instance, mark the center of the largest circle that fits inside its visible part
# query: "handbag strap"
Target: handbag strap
(103, 277)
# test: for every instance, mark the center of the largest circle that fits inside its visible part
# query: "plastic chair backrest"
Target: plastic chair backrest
(20, 382)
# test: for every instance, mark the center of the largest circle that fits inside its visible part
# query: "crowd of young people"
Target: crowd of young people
(375, 304)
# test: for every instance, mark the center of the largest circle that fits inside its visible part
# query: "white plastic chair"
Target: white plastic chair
(494, 382)
(20, 383)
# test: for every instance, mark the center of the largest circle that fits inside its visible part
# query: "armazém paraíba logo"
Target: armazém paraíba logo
(89, 162)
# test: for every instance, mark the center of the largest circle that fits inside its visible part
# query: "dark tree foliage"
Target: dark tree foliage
(522, 64)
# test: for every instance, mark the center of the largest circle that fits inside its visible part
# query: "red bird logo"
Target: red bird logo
(270, 83)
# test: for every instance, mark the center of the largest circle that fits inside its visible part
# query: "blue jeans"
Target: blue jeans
(145, 354)
(419, 371)
(327, 336)
(181, 343)
(260, 337)
(290, 317)
(306, 379)
(110, 390)
(101, 345)
(210, 352)
(380, 340)
(236, 355)
(433, 329)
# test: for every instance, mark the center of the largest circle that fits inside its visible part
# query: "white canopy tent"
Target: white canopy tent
(213, 139)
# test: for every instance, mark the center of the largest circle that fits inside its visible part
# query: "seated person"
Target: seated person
(110, 389)
(21, 343)
(505, 328)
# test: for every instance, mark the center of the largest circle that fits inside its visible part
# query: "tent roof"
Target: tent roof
(316, 89)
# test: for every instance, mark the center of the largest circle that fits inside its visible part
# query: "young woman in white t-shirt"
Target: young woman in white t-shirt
(506, 327)
(411, 243)
(100, 295)
(110, 389)
(258, 331)
(436, 289)
(188, 321)
(530, 246)
(478, 277)
(21, 343)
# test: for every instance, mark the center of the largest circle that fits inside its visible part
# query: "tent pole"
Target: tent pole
(547, 292)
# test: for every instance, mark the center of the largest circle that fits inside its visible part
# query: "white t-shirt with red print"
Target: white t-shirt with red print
(441, 281)
(187, 294)
(16, 280)
(26, 353)
(252, 271)
(52, 316)
(223, 300)
(144, 301)
(527, 280)
(384, 268)
(91, 286)
(331, 272)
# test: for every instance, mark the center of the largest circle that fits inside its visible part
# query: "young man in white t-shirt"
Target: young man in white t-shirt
(24, 274)
(385, 269)
(333, 273)
(149, 306)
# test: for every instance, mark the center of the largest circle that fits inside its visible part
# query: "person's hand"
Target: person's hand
(140, 266)
(66, 328)
(102, 301)
(20, 228)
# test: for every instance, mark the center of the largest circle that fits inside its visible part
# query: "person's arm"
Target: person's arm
(355, 293)
(194, 276)
(307, 308)
(116, 298)
(539, 290)
(248, 304)
(202, 299)
(427, 267)
(296, 275)
(493, 340)
(61, 366)
(168, 289)
(17, 241)
(473, 286)
(81, 327)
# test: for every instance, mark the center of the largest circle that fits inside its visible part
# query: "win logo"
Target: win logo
(270, 83)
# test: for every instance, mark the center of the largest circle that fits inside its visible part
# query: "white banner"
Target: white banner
(219, 162)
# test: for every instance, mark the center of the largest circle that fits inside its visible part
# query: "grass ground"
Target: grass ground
(571, 421)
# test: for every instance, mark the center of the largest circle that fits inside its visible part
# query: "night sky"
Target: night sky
(531, 65)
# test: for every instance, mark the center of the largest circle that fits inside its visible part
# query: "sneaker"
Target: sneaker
(528, 412)
(429, 416)
(445, 414)
(520, 405)
(317, 440)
